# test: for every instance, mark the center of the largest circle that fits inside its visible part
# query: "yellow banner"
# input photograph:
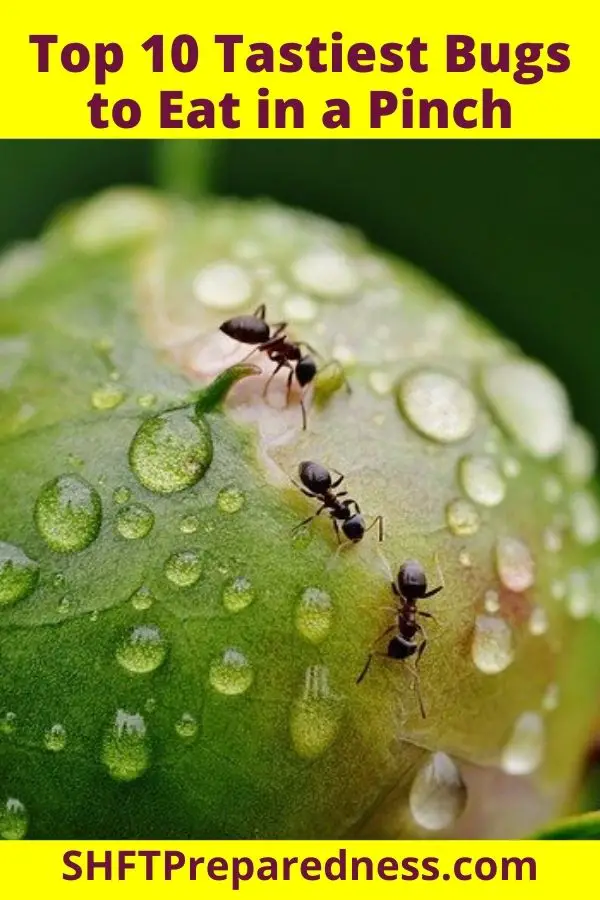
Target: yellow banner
(319, 69)
(256, 869)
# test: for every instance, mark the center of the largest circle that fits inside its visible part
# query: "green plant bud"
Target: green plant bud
(176, 660)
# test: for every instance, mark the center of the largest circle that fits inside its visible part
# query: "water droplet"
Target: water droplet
(578, 460)
(18, 574)
(438, 405)
(553, 541)
(551, 698)
(187, 726)
(380, 383)
(579, 594)
(189, 524)
(135, 521)
(171, 452)
(232, 673)
(143, 650)
(552, 489)
(524, 751)
(121, 495)
(438, 795)
(511, 467)
(482, 480)
(492, 648)
(223, 285)
(530, 403)
(515, 564)
(538, 621)
(343, 355)
(558, 589)
(68, 514)
(94, 616)
(55, 738)
(238, 595)
(314, 614)
(299, 308)
(125, 751)
(142, 598)
(315, 716)
(464, 558)
(585, 517)
(491, 602)
(230, 499)
(147, 401)
(326, 271)
(183, 568)
(462, 517)
(65, 604)
(13, 820)
(108, 396)
(8, 723)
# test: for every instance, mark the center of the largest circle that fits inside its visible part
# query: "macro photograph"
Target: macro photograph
(299, 519)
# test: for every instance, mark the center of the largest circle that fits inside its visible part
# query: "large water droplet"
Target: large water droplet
(134, 521)
(585, 517)
(68, 514)
(515, 564)
(578, 460)
(579, 594)
(481, 480)
(231, 673)
(238, 595)
(437, 405)
(108, 396)
(438, 795)
(326, 271)
(13, 820)
(223, 285)
(230, 499)
(524, 750)
(125, 751)
(316, 715)
(143, 650)
(186, 726)
(492, 648)
(18, 574)
(171, 452)
(142, 598)
(530, 403)
(314, 615)
(462, 517)
(55, 738)
(183, 568)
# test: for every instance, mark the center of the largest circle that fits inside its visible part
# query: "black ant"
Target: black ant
(318, 484)
(273, 341)
(410, 586)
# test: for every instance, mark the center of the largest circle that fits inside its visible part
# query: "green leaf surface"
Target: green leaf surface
(577, 828)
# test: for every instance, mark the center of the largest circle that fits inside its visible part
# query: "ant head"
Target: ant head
(246, 329)
(306, 369)
(315, 477)
(354, 528)
(412, 582)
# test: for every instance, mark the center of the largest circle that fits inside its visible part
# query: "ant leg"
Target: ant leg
(309, 348)
(260, 312)
(278, 328)
(308, 520)
(279, 366)
(427, 615)
(373, 653)
(341, 494)
(248, 355)
(339, 480)
(303, 408)
(433, 592)
(378, 521)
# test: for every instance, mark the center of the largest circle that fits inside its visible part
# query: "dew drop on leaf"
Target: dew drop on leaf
(238, 595)
(8, 723)
(183, 568)
(108, 396)
(142, 598)
(230, 499)
(231, 673)
(579, 594)
(18, 574)
(143, 650)
(68, 514)
(189, 524)
(524, 751)
(462, 517)
(438, 794)
(515, 564)
(13, 820)
(492, 648)
(125, 751)
(316, 715)
(55, 738)
(135, 521)
(186, 726)
(481, 480)
(314, 614)
(171, 452)
(121, 495)
(437, 405)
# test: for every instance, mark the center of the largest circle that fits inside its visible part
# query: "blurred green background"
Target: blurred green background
(512, 226)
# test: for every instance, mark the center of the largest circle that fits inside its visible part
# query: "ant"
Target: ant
(409, 586)
(318, 484)
(273, 341)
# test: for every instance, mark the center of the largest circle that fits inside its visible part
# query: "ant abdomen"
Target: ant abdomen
(246, 329)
